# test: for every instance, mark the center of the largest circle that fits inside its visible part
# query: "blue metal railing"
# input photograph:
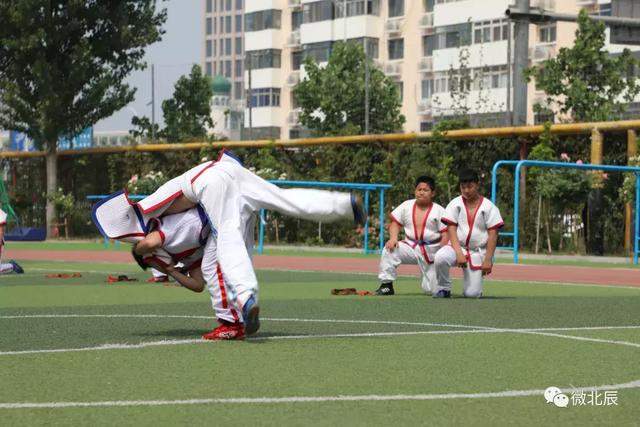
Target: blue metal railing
(516, 194)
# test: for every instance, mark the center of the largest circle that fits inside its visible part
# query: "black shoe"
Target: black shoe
(442, 293)
(385, 289)
(358, 213)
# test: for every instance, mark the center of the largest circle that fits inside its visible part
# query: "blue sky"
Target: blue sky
(173, 57)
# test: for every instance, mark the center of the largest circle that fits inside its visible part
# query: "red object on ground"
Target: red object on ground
(164, 279)
(120, 278)
(511, 272)
(62, 275)
(233, 331)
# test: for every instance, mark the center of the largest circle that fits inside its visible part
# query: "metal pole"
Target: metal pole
(381, 235)
(637, 230)
(153, 102)
(509, 73)
(366, 74)
(516, 213)
(366, 223)
(344, 21)
(261, 233)
(521, 61)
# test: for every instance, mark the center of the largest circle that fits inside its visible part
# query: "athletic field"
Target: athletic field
(82, 351)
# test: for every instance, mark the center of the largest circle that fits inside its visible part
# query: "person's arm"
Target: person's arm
(394, 230)
(444, 237)
(1, 235)
(492, 242)
(149, 244)
(461, 260)
(180, 204)
(194, 281)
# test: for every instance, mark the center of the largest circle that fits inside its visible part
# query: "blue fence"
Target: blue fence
(366, 188)
(519, 164)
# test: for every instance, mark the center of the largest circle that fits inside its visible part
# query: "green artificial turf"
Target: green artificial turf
(308, 346)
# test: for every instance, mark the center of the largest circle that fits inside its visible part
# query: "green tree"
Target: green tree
(187, 114)
(585, 82)
(331, 98)
(63, 65)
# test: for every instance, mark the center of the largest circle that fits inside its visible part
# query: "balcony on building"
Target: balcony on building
(293, 78)
(393, 69)
(295, 4)
(293, 39)
(293, 118)
(425, 107)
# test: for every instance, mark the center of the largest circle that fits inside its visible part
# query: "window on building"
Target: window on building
(296, 19)
(227, 69)
(209, 26)
(357, 8)
(400, 87)
(215, 26)
(221, 50)
(495, 77)
(428, 5)
(227, 47)
(428, 45)
(238, 67)
(238, 23)
(396, 49)
(296, 60)
(262, 20)
(215, 5)
(547, 33)
(452, 36)
(237, 90)
(227, 24)
(228, 5)
(426, 126)
(267, 58)
(371, 47)
(265, 97)
(238, 45)
(209, 6)
(490, 31)
(215, 68)
(427, 88)
(320, 52)
(318, 11)
(208, 68)
(209, 48)
(396, 8)
(238, 4)
(214, 44)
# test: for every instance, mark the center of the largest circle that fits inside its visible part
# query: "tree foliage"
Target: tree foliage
(187, 114)
(332, 98)
(63, 64)
(585, 82)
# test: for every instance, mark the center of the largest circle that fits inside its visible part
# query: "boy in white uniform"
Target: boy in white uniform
(473, 231)
(230, 196)
(11, 266)
(424, 234)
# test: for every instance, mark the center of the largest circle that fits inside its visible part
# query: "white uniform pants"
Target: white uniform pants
(405, 254)
(446, 258)
(231, 195)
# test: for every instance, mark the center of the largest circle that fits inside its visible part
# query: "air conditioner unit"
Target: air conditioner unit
(294, 39)
(393, 69)
(293, 118)
(426, 64)
(293, 78)
(393, 25)
(295, 3)
(426, 21)
(542, 52)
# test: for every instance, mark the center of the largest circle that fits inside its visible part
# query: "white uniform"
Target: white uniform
(4, 268)
(230, 196)
(419, 245)
(183, 238)
(473, 234)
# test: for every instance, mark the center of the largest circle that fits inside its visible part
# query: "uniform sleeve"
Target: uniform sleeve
(494, 219)
(442, 226)
(396, 214)
(3, 217)
(450, 216)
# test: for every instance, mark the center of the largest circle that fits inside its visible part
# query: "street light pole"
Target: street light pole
(521, 61)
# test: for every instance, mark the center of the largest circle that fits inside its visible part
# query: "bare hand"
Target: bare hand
(461, 260)
(391, 245)
(487, 266)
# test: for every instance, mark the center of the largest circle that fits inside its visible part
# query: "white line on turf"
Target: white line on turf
(311, 399)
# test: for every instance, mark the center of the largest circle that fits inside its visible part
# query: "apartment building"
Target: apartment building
(419, 44)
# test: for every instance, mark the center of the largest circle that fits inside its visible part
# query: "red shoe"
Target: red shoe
(233, 331)
(162, 279)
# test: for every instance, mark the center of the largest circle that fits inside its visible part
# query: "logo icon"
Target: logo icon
(554, 395)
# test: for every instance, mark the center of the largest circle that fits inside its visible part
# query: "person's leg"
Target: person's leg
(310, 204)
(445, 259)
(389, 262)
(429, 277)
(472, 285)
(217, 285)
